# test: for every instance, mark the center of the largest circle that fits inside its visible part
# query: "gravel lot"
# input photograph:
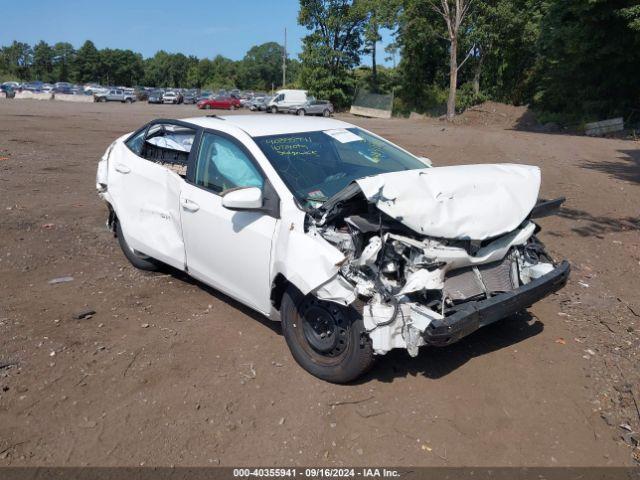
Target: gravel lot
(170, 372)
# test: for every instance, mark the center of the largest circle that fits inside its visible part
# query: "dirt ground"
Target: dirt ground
(170, 372)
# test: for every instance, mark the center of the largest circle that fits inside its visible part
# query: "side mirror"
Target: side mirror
(427, 161)
(244, 198)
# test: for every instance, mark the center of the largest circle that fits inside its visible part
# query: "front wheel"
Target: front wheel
(326, 113)
(207, 107)
(232, 107)
(273, 109)
(301, 112)
(326, 339)
(138, 260)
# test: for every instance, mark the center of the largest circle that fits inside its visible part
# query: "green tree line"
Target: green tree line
(260, 68)
(570, 59)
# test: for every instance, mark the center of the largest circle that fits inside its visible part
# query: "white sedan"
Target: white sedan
(355, 244)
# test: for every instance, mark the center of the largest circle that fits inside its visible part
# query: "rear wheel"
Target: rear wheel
(232, 107)
(326, 112)
(301, 112)
(326, 339)
(138, 260)
(207, 107)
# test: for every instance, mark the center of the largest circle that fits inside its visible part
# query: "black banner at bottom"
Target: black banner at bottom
(287, 473)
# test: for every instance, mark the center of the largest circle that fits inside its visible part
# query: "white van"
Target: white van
(283, 99)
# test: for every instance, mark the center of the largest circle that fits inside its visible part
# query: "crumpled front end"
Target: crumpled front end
(417, 289)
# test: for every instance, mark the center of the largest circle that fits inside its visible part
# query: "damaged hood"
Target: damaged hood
(462, 202)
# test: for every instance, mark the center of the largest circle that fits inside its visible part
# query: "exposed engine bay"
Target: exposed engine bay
(403, 280)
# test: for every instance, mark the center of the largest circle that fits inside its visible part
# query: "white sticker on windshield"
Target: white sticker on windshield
(343, 136)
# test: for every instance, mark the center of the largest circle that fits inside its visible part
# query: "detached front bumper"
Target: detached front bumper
(474, 315)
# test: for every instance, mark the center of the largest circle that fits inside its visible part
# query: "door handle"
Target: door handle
(190, 205)
(122, 168)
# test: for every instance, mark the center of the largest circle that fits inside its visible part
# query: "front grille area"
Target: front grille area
(471, 282)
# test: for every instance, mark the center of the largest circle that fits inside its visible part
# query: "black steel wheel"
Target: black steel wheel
(325, 338)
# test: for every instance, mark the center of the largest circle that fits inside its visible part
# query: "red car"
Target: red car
(226, 103)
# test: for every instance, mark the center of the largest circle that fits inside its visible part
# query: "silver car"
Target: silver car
(313, 107)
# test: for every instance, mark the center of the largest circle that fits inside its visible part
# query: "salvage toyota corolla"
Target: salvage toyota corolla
(356, 245)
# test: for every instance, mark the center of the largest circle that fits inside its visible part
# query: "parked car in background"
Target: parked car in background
(219, 102)
(7, 90)
(33, 86)
(141, 94)
(313, 107)
(257, 103)
(94, 88)
(155, 96)
(189, 98)
(13, 85)
(172, 97)
(283, 99)
(341, 232)
(204, 95)
(115, 95)
(63, 85)
(62, 88)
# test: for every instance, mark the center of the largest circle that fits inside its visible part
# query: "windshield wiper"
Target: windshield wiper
(315, 199)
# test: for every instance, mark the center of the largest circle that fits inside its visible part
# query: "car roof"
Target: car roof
(270, 124)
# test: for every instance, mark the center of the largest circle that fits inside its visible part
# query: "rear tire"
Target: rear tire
(301, 112)
(207, 107)
(326, 113)
(326, 339)
(138, 260)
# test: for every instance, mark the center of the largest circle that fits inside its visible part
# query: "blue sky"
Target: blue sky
(198, 27)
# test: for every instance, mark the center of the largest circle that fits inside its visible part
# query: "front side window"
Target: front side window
(317, 165)
(222, 165)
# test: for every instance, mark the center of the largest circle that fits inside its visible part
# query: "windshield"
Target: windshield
(317, 165)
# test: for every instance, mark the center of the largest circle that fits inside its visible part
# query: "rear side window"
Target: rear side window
(135, 143)
(168, 145)
(222, 165)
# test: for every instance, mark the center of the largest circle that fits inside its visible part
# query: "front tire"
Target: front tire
(301, 112)
(273, 109)
(326, 339)
(138, 260)
(326, 113)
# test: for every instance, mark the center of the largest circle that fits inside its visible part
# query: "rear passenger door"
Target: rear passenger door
(148, 176)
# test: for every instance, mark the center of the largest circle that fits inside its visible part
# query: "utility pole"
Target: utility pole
(284, 60)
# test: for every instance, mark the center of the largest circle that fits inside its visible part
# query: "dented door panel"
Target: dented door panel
(146, 200)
